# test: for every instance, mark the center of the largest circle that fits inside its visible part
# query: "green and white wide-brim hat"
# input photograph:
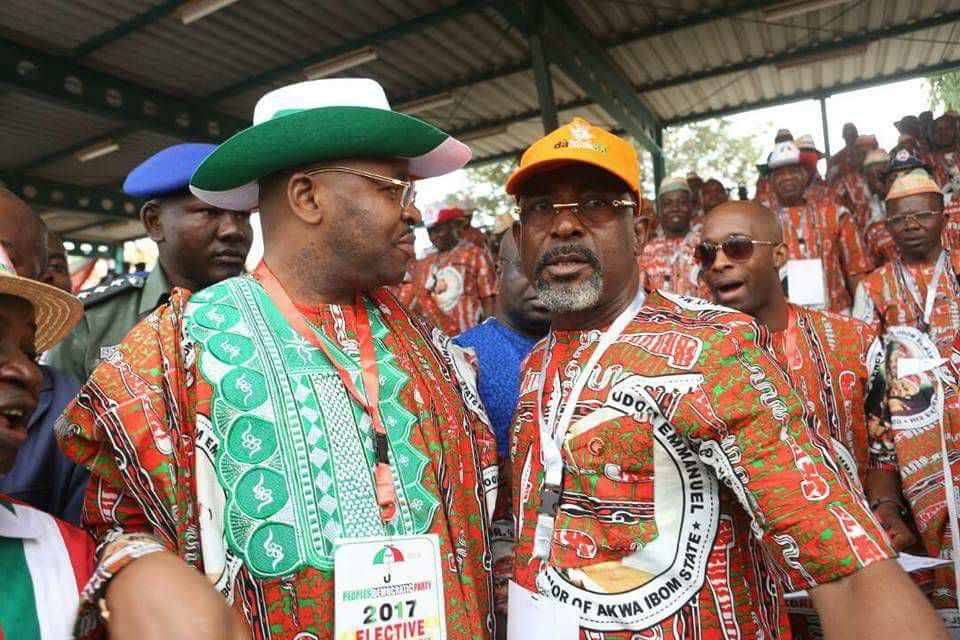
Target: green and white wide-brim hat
(315, 121)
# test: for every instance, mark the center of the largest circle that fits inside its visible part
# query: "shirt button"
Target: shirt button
(596, 446)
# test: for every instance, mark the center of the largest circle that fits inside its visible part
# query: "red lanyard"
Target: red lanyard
(386, 492)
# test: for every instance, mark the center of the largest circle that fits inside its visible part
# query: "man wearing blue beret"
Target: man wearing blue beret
(199, 245)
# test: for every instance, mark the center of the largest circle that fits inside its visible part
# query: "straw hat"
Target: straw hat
(56, 312)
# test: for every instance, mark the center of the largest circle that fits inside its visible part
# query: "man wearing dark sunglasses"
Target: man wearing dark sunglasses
(834, 362)
(656, 436)
(823, 242)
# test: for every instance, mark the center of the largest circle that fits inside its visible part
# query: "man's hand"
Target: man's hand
(901, 536)
(159, 597)
(878, 602)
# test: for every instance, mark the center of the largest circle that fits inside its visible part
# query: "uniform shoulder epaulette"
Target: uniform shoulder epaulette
(95, 295)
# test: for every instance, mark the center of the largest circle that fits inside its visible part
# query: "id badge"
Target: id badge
(807, 283)
(389, 588)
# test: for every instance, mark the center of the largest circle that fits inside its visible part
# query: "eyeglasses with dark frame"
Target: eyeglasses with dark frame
(591, 211)
(920, 217)
(408, 191)
(737, 248)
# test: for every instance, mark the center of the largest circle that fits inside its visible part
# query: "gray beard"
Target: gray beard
(568, 298)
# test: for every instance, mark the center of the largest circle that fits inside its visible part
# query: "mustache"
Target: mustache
(566, 249)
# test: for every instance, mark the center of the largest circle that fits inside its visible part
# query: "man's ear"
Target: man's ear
(781, 254)
(150, 216)
(641, 227)
(304, 197)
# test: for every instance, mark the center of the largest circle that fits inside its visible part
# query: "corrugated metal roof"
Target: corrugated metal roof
(498, 113)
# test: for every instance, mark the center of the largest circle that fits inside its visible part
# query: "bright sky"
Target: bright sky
(872, 110)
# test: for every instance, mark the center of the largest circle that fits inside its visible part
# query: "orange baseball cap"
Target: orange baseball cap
(581, 142)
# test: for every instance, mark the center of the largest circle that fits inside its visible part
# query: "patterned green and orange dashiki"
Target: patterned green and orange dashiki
(223, 432)
(694, 494)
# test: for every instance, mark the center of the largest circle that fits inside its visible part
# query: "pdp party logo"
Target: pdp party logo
(655, 581)
(385, 559)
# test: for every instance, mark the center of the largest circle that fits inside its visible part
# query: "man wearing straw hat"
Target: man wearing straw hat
(42, 477)
(43, 559)
(295, 435)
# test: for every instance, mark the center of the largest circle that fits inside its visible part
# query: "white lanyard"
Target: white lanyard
(552, 434)
(948, 484)
(931, 289)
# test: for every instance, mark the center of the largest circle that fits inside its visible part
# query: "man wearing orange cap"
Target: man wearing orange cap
(826, 250)
(919, 288)
(664, 477)
(667, 261)
(455, 288)
(850, 190)
(914, 302)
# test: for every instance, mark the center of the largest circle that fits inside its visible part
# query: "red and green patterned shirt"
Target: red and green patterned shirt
(835, 363)
(884, 300)
(220, 430)
(447, 288)
(694, 492)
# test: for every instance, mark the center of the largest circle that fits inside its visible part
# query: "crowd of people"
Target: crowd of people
(605, 417)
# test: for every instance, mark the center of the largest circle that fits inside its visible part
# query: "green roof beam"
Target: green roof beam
(414, 25)
(658, 29)
(123, 29)
(569, 46)
(48, 194)
(56, 79)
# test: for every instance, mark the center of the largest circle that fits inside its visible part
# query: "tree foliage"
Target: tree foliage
(711, 150)
(484, 191)
(945, 92)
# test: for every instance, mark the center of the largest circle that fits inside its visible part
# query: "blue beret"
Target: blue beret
(166, 171)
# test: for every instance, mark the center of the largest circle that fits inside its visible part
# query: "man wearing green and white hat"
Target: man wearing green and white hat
(295, 434)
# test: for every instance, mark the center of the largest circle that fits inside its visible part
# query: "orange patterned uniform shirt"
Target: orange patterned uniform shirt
(821, 229)
(220, 431)
(668, 264)
(694, 490)
(447, 289)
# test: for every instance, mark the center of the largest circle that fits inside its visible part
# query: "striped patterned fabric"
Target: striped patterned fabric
(44, 563)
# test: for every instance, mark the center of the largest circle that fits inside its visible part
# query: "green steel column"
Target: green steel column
(541, 73)
(118, 258)
(659, 166)
(823, 123)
